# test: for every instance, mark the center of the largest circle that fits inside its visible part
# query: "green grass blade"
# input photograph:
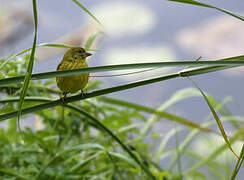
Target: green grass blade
(195, 132)
(192, 2)
(13, 173)
(83, 162)
(213, 166)
(178, 154)
(183, 147)
(108, 91)
(29, 98)
(237, 61)
(73, 148)
(125, 74)
(99, 124)
(88, 95)
(44, 45)
(210, 158)
(153, 111)
(87, 11)
(54, 45)
(11, 56)
(176, 97)
(30, 66)
(103, 92)
(179, 95)
(163, 143)
(106, 100)
(190, 138)
(91, 40)
(123, 157)
(238, 163)
(67, 46)
(221, 128)
(39, 45)
(197, 3)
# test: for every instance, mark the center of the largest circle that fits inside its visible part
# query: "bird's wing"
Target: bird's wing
(62, 63)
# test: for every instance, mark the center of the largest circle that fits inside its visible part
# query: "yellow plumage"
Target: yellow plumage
(74, 58)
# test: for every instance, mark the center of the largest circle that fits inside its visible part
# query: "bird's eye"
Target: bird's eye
(80, 51)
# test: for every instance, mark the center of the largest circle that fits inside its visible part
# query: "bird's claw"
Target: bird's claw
(63, 97)
(83, 94)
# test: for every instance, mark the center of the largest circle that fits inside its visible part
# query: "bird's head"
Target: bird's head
(76, 53)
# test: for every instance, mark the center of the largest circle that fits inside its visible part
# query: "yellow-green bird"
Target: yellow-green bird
(74, 58)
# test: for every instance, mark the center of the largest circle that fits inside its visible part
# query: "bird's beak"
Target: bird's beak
(86, 54)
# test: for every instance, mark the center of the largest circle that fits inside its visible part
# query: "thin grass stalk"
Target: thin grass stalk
(211, 67)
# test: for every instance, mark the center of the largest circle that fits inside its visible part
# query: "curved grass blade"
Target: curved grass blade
(114, 102)
(153, 111)
(215, 167)
(83, 162)
(91, 40)
(214, 155)
(213, 66)
(193, 2)
(13, 173)
(67, 46)
(29, 68)
(211, 157)
(197, 3)
(33, 99)
(121, 103)
(54, 45)
(176, 97)
(164, 142)
(94, 94)
(179, 95)
(221, 128)
(44, 45)
(195, 132)
(178, 155)
(116, 169)
(238, 163)
(88, 95)
(39, 45)
(75, 148)
(123, 157)
(7, 60)
(99, 124)
(87, 11)
(125, 74)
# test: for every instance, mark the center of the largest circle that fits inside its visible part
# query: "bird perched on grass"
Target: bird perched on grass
(74, 58)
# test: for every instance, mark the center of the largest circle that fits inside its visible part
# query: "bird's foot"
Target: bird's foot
(63, 97)
(83, 94)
